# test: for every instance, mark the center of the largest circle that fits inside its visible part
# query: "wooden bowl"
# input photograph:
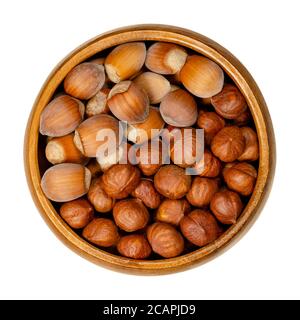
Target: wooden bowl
(33, 153)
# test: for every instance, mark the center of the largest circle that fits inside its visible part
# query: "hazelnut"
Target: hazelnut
(172, 182)
(87, 132)
(119, 154)
(98, 197)
(202, 190)
(202, 77)
(120, 180)
(211, 123)
(130, 215)
(228, 144)
(185, 146)
(94, 167)
(149, 129)
(179, 108)
(200, 227)
(77, 213)
(85, 80)
(63, 149)
(251, 151)
(226, 206)
(165, 58)
(146, 192)
(172, 211)
(102, 232)
(128, 102)
(240, 177)
(243, 119)
(150, 157)
(165, 240)
(65, 182)
(155, 85)
(209, 166)
(61, 116)
(134, 246)
(98, 103)
(125, 60)
(229, 103)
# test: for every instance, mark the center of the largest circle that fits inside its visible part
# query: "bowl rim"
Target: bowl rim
(241, 77)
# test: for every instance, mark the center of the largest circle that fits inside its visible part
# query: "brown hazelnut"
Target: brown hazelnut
(134, 246)
(226, 206)
(172, 182)
(146, 192)
(228, 144)
(85, 80)
(99, 198)
(130, 215)
(172, 211)
(94, 167)
(209, 166)
(243, 119)
(102, 232)
(240, 177)
(150, 157)
(120, 180)
(184, 147)
(165, 240)
(202, 191)
(251, 151)
(229, 103)
(77, 213)
(179, 108)
(200, 227)
(211, 123)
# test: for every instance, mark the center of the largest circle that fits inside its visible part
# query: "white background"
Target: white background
(35, 35)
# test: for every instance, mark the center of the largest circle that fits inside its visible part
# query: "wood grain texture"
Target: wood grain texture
(241, 78)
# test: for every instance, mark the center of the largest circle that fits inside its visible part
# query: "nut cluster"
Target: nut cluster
(139, 207)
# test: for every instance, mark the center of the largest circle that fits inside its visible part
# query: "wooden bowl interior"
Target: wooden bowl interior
(36, 163)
